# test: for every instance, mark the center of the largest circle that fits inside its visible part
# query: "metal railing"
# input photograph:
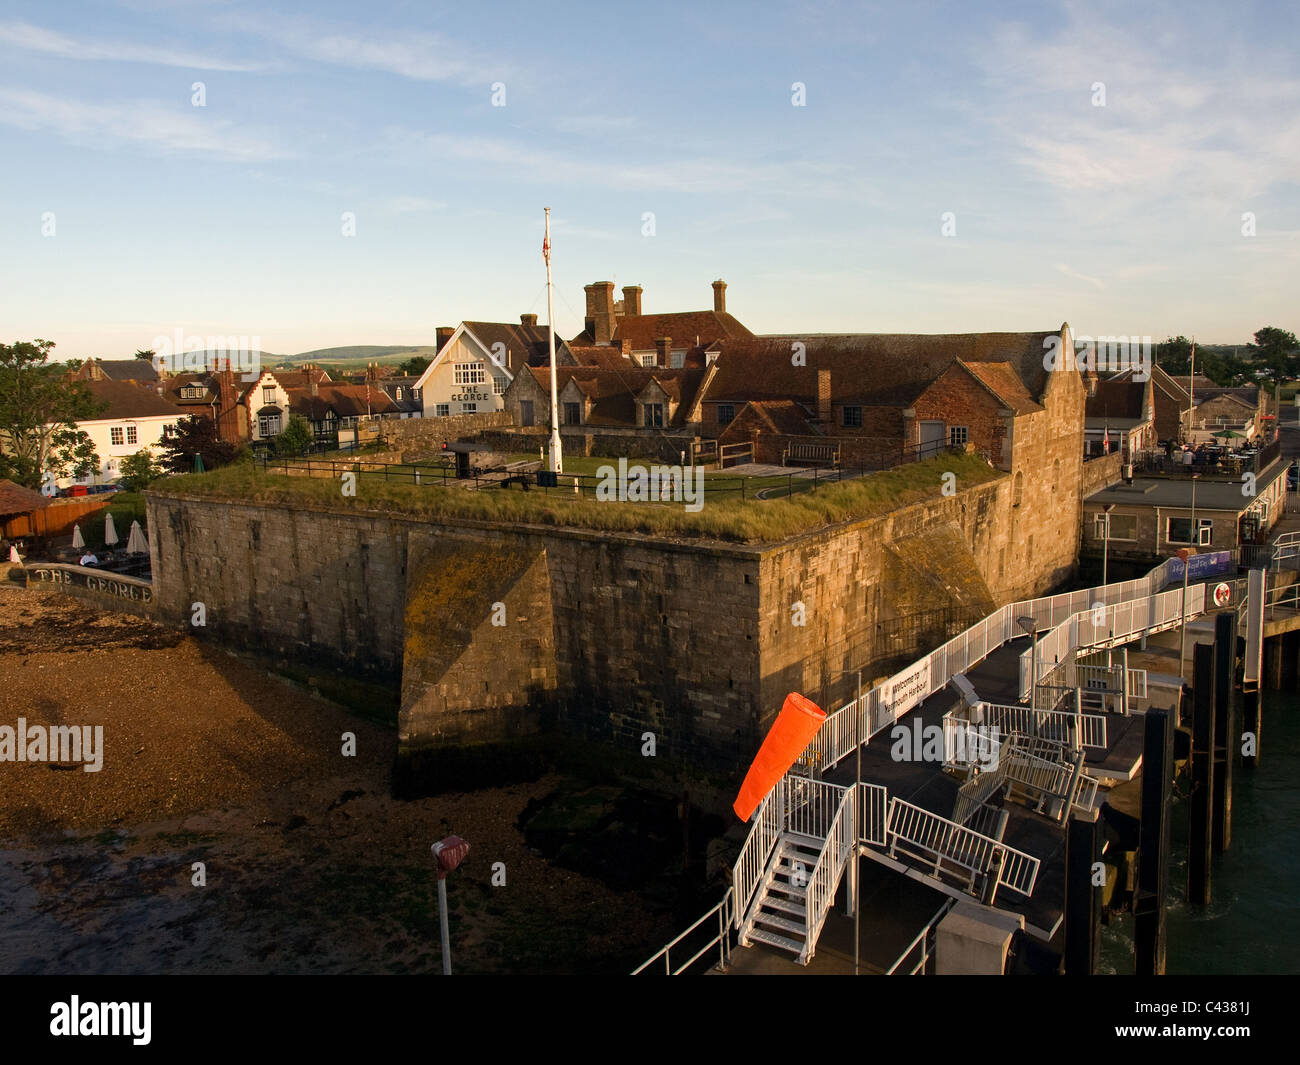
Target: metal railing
(720, 939)
(751, 864)
(925, 940)
(873, 815)
(839, 848)
(1090, 729)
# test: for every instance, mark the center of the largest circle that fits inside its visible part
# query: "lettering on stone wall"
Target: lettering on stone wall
(116, 587)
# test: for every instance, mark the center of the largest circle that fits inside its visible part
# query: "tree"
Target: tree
(414, 366)
(39, 411)
(1277, 350)
(146, 355)
(296, 437)
(196, 436)
(140, 470)
(1174, 356)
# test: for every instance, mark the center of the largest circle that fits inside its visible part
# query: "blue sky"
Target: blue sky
(1122, 219)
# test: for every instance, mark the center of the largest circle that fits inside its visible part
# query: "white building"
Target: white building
(137, 418)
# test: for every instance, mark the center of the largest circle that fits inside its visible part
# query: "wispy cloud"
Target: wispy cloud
(135, 122)
(595, 125)
(47, 42)
(418, 55)
(399, 205)
(1069, 271)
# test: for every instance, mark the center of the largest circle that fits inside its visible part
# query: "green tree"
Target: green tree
(147, 355)
(196, 436)
(296, 437)
(414, 366)
(140, 470)
(39, 412)
(1277, 350)
(1174, 356)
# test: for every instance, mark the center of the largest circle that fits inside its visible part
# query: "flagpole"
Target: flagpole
(555, 460)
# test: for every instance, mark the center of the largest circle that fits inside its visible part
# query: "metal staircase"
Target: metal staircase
(779, 914)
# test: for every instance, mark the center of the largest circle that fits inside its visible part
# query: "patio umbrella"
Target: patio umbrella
(110, 531)
(136, 543)
(1229, 434)
(78, 541)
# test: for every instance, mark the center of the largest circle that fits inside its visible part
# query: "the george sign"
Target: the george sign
(96, 580)
(905, 690)
(1222, 594)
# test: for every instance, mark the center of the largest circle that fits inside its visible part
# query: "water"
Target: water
(1250, 925)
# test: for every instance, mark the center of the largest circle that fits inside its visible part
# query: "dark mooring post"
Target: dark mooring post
(1082, 896)
(1225, 725)
(1153, 843)
(1249, 738)
(1200, 805)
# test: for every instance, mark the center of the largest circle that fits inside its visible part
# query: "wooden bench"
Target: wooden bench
(811, 455)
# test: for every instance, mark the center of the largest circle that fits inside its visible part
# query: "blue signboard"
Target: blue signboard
(1202, 567)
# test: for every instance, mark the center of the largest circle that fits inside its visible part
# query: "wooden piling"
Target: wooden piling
(1082, 896)
(1225, 726)
(1153, 843)
(1200, 806)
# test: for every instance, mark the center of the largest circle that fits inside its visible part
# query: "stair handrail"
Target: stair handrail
(840, 846)
(756, 853)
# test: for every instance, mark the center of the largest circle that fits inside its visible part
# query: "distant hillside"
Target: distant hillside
(362, 353)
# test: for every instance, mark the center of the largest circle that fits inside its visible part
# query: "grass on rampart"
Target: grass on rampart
(726, 517)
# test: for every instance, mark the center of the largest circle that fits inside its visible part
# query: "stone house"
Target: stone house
(1120, 416)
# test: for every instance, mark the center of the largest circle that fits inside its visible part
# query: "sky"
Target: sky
(1131, 169)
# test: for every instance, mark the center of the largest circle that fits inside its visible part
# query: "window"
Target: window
(470, 373)
(441, 410)
(499, 385)
(1122, 527)
(268, 425)
(132, 435)
(469, 408)
(958, 435)
(1179, 531)
(115, 436)
(573, 414)
(726, 413)
(654, 415)
(852, 417)
(647, 360)
(398, 394)
(268, 395)
(710, 357)
(192, 392)
(526, 414)
(676, 360)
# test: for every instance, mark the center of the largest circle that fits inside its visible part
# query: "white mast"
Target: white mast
(555, 460)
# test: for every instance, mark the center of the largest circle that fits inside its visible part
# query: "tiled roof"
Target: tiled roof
(525, 345)
(128, 400)
(613, 392)
(124, 369)
(15, 499)
(1003, 381)
(600, 355)
(1116, 399)
(875, 369)
(688, 329)
(781, 416)
(347, 401)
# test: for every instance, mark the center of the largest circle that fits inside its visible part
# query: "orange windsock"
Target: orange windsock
(791, 732)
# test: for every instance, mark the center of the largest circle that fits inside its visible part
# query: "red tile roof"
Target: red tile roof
(15, 499)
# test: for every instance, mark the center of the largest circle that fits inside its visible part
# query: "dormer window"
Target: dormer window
(399, 392)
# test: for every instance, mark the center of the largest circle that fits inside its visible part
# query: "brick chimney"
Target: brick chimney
(824, 396)
(664, 346)
(443, 334)
(529, 320)
(720, 297)
(600, 311)
(228, 420)
(632, 299)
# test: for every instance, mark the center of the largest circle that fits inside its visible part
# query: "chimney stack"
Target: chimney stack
(529, 320)
(719, 297)
(664, 346)
(443, 334)
(632, 299)
(600, 311)
(824, 396)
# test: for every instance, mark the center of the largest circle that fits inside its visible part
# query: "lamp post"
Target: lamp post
(1187, 566)
(1029, 626)
(1105, 543)
(448, 853)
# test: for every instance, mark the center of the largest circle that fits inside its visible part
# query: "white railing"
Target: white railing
(966, 743)
(751, 864)
(925, 940)
(1054, 724)
(839, 848)
(857, 721)
(937, 840)
(873, 814)
(721, 940)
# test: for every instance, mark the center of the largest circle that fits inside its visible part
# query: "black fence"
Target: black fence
(1212, 461)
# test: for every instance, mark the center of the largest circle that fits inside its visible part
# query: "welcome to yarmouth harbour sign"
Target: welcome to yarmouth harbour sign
(110, 584)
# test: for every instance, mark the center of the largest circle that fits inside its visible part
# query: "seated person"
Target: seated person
(88, 559)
